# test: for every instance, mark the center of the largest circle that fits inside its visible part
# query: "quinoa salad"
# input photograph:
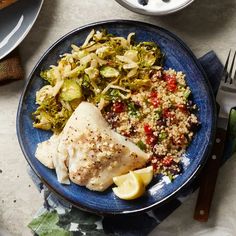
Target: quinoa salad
(160, 120)
(126, 80)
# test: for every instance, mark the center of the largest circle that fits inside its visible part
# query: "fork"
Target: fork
(226, 100)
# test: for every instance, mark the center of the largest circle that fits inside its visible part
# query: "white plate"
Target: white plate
(16, 22)
(155, 7)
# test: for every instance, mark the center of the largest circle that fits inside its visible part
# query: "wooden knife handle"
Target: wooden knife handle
(209, 177)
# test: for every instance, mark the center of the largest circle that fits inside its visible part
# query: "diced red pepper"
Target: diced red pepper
(147, 129)
(118, 107)
(171, 82)
(156, 161)
(166, 113)
(167, 161)
(153, 94)
(154, 100)
(155, 166)
(172, 86)
(182, 107)
(169, 77)
(151, 139)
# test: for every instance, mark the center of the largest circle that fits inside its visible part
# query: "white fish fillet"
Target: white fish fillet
(47, 150)
(90, 153)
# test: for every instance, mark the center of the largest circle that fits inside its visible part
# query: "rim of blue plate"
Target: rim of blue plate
(203, 159)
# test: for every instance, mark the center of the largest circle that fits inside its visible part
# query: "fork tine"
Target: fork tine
(234, 78)
(225, 73)
(231, 69)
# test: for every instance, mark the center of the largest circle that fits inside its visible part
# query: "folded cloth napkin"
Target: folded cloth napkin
(11, 68)
(58, 217)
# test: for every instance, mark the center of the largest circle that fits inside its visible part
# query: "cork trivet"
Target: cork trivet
(11, 68)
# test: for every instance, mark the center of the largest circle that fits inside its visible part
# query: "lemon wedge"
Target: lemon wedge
(146, 175)
(132, 188)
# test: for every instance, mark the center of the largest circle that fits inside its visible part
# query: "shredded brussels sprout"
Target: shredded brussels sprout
(104, 68)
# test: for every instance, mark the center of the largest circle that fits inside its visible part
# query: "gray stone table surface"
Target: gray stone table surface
(204, 25)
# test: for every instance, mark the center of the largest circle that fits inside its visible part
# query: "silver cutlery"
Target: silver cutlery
(226, 100)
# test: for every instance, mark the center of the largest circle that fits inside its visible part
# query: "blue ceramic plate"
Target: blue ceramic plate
(16, 22)
(179, 57)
